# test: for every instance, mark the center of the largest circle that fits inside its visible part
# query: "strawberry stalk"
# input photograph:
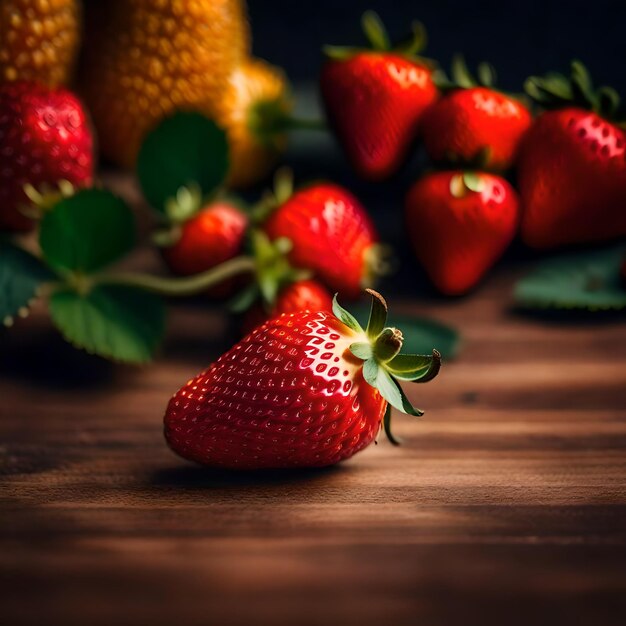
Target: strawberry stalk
(379, 41)
(383, 362)
(176, 287)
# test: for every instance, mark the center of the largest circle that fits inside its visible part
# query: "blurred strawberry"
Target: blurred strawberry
(460, 223)
(39, 40)
(301, 295)
(45, 139)
(572, 164)
(375, 98)
(331, 235)
(474, 125)
(201, 237)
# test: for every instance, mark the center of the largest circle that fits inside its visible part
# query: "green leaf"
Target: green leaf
(375, 31)
(387, 426)
(361, 350)
(21, 274)
(393, 393)
(421, 334)
(461, 75)
(587, 280)
(415, 367)
(185, 149)
(370, 371)
(347, 318)
(473, 181)
(378, 314)
(87, 231)
(486, 74)
(115, 322)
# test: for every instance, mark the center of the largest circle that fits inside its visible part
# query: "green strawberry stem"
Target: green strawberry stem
(178, 287)
(269, 121)
(383, 363)
(556, 90)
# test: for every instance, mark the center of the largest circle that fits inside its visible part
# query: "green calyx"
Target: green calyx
(464, 182)
(272, 272)
(555, 90)
(383, 362)
(462, 78)
(376, 34)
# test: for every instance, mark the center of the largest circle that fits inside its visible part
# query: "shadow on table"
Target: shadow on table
(43, 357)
(196, 477)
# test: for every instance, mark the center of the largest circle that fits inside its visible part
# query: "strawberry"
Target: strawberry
(300, 295)
(459, 224)
(474, 124)
(39, 41)
(572, 164)
(331, 235)
(210, 236)
(45, 137)
(306, 389)
(375, 99)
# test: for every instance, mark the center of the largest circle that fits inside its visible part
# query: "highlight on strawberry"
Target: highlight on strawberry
(306, 389)
(572, 163)
(375, 98)
(460, 223)
(474, 124)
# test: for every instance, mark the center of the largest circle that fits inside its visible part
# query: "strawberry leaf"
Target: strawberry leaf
(420, 334)
(588, 280)
(115, 322)
(87, 231)
(393, 393)
(415, 367)
(185, 149)
(361, 350)
(21, 274)
(344, 316)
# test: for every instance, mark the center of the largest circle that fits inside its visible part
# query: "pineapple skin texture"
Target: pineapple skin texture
(144, 59)
(253, 83)
(39, 40)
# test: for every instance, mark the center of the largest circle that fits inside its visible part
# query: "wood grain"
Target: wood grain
(507, 503)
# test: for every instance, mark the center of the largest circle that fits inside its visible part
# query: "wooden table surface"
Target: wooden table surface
(507, 503)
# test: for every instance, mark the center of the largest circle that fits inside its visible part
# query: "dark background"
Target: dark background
(519, 38)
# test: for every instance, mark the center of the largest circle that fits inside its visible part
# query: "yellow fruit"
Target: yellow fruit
(151, 57)
(39, 40)
(253, 110)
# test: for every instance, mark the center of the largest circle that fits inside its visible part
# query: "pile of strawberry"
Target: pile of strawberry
(569, 162)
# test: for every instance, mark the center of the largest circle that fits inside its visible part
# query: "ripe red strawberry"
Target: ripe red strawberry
(301, 295)
(331, 234)
(214, 235)
(474, 124)
(45, 137)
(375, 99)
(460, 224)
(305, 389)
(572, 165)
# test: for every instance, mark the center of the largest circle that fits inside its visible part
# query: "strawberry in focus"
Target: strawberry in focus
(572, 164)
(375, 99)
(331, 235)
(46, 138)
(294, 297)
(305, 389)
(460, 223)
(473, 124)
